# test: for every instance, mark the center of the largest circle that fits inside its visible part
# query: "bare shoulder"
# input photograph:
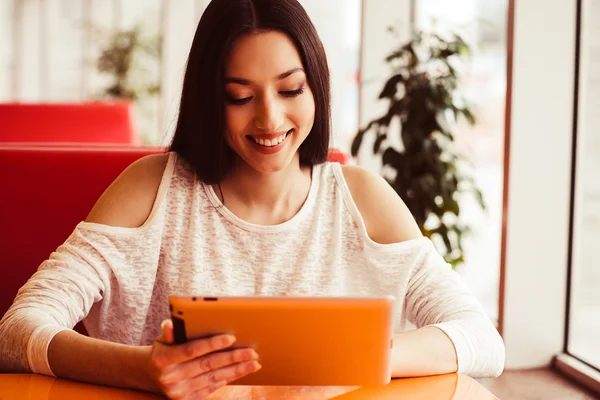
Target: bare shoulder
(386, 217)
(129, 199)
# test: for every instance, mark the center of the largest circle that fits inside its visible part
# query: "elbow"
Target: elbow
(494, 361)
(481, 349)
(498, 359)
(13, 358)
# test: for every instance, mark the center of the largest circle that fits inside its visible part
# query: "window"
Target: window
(583, 325)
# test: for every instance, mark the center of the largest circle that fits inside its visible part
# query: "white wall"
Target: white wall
(338, 23)
(377, 44)
(180, 19)
(6, 50)
(539, 181)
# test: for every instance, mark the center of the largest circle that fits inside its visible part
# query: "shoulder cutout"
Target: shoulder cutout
(386, 217)
(128, 201)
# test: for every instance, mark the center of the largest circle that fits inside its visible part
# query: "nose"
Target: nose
(269, 115)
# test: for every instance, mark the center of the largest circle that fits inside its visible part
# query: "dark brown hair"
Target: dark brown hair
(200, 131)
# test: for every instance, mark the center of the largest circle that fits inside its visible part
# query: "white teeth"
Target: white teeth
(270, 143)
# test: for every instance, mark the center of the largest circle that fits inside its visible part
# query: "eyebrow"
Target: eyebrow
(248, 82)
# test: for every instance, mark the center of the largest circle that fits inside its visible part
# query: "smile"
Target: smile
(271, 142)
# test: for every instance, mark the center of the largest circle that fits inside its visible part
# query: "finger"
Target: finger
(166, 336)
(209, 362)
(200, 347)
(229, 374)
(203, 393)
(213, 378)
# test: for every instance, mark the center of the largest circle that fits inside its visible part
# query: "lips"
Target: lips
(271, 139)
(270, 143)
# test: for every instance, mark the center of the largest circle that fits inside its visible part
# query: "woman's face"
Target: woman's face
(270, 109)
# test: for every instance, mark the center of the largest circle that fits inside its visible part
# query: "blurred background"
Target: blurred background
(120, 63)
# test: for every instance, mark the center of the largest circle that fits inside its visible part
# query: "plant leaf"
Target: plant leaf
(468, 115)
(356, 142)
(393, 158)
(391, 87)
(378, 141)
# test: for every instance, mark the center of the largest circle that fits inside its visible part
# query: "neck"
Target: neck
(266, 198)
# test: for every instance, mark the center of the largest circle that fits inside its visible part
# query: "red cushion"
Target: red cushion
(60, 123)
(336, 155)
(46, 192)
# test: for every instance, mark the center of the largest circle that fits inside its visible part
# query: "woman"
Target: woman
(243, 204)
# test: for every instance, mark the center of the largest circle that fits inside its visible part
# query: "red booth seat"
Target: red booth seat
(61, 123)
(336, 155)
(46, 192)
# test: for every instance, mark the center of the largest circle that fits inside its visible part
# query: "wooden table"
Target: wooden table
(443, 387)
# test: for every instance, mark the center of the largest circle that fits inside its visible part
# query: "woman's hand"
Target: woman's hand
(193, 370)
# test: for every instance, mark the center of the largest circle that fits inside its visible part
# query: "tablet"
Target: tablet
(307, 341)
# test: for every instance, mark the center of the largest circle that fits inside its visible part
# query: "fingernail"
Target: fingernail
(229, 339)
(258, 366)
(162, 324)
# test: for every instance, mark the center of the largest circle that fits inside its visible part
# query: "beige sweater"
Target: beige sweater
(117, 279)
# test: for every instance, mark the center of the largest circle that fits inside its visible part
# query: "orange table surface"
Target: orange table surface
(443, 387)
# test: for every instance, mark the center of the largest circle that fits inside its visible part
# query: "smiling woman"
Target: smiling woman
(272, 78)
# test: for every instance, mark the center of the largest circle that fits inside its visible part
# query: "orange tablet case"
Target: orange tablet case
(307, 341)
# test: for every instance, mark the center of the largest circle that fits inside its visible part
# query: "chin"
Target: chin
(271, 166)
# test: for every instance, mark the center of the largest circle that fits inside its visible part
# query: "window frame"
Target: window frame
(567, 363)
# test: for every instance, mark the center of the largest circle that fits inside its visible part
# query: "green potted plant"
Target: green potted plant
(122, 59)
(130, 59)
(426, 169)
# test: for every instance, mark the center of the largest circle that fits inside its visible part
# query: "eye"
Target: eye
(238, 102)
(292, 93)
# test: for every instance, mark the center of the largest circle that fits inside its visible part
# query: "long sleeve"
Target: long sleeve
(55, 298)
(437, 296)
(104, 276)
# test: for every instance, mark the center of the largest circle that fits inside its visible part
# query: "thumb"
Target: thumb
(167, 336)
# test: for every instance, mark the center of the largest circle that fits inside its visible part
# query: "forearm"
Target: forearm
(422, 352)
(81, 358)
